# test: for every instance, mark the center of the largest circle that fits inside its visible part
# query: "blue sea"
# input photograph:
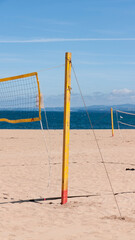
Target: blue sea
(78, 120)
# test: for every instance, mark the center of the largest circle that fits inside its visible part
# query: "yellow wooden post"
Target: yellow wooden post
(112, 122)
(66, 128)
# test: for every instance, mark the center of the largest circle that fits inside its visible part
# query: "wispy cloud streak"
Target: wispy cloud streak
(106, 63)
(47, 40)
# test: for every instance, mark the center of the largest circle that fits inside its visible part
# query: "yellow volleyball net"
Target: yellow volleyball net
(22, 95)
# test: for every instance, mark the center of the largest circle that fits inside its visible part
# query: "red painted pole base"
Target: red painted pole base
(64, 197)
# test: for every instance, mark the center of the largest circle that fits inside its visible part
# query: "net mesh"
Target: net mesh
(125, 119)
(19, 99)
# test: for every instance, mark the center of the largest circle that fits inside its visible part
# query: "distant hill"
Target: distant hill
(124, 107)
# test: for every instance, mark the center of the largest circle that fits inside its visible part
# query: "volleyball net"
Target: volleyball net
(125, 119)
(20, 94)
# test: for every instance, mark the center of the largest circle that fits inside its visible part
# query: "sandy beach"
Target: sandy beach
(30, 209)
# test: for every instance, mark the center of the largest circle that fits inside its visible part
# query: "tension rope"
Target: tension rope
(99, 149)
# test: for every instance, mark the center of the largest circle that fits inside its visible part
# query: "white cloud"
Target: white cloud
(116, 97)
(124, 91)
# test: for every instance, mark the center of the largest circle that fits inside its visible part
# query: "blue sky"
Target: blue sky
(34, 36)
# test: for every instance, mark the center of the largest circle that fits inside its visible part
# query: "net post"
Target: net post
(66, 129)
(112, 122)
